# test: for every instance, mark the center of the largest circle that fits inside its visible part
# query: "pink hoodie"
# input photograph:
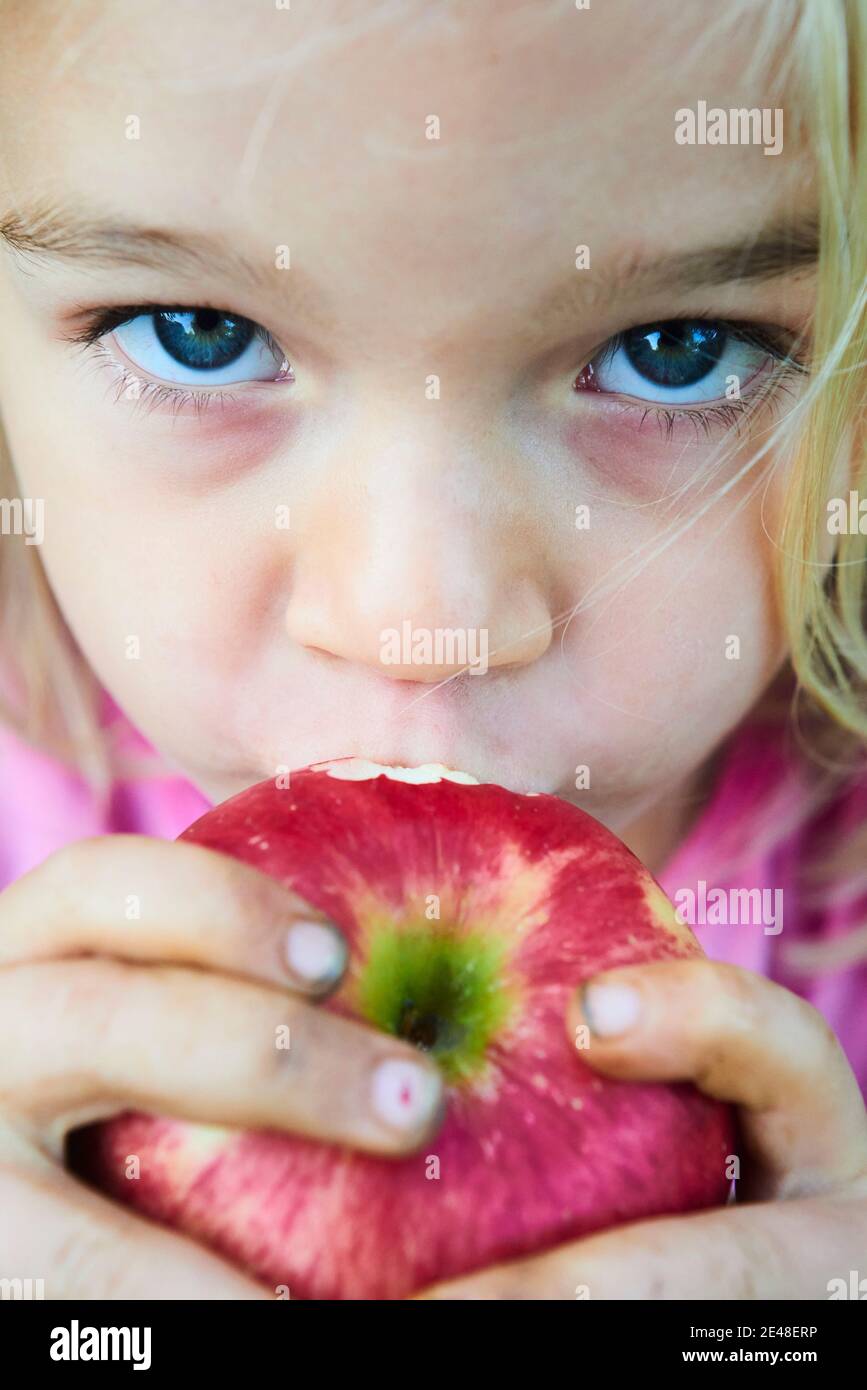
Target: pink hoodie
(734, 877)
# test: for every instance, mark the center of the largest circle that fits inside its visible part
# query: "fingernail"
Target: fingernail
(405, 1095)
(315, 953)
(610, 1009)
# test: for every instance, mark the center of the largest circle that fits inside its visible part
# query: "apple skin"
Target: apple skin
(535, 1149)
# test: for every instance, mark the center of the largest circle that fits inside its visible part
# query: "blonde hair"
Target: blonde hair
(825, 609)
(55, 700)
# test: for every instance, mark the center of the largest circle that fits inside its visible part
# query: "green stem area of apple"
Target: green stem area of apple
(441, 991)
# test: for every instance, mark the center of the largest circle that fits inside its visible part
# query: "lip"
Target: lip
(365, 715)
(363, 770)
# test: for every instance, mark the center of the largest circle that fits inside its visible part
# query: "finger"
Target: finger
(84, 1039)
(785, 1250)
(143, 899)
(743, 1039)
(82, 1246)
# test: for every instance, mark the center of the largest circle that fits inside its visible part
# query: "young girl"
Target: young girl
(537, 321)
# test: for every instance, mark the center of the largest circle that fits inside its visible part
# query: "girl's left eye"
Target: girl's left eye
(677, 362)
(199, 347)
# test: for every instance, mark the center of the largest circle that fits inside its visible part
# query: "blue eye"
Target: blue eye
(675, 354)
(676, 361)
(199, 347)
(202, 338)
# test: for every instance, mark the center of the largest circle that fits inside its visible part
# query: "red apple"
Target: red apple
(472, 913)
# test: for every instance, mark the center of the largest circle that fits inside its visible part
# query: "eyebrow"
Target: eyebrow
(779, 249)
(65, 235)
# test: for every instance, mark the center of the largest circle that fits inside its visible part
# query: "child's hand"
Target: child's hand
(803, 1150)
(176, 1012)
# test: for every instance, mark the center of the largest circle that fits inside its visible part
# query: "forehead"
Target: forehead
(447, 137)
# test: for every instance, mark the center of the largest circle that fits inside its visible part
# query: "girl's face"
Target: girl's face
(462, 451)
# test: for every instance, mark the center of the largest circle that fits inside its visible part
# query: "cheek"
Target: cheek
(202, 595)
(182, 629)
(651, 676)
(171, 597)
(150, 535)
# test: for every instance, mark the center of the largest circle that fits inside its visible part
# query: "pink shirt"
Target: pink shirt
(44, 806)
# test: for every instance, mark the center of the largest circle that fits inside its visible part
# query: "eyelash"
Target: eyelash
(731, 415)
(153, 395)
(705, 418)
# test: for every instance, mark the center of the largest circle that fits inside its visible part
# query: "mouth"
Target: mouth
(363, 770)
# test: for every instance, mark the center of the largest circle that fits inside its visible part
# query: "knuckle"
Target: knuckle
(80, 997)
(812, 1019)
(69, 866)
(80, 1002)
(72, 875)
(248, 898)
(254, 903)
(733, 999)
(321, 1054)
(750, 1001)
(86, 993)
(80, 867)
(295, 1041)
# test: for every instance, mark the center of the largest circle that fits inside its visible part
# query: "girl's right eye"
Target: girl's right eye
(199, 347)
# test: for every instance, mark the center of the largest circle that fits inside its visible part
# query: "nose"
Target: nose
(412, 561)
